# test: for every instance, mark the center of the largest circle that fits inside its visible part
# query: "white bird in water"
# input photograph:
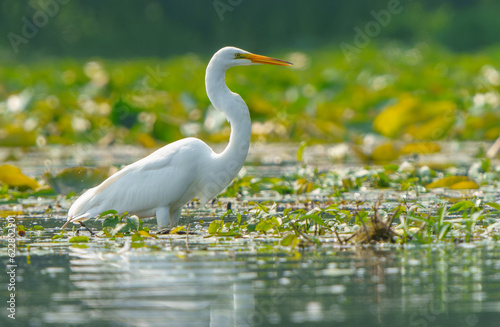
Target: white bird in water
(163, 182)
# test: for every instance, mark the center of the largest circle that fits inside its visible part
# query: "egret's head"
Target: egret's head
(232, 56)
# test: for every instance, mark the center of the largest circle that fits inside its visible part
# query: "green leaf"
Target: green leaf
(227, 213)
(137, 237)
(215, 226)
(420, 219)
(300, 150)
(444, 230)
(264, 226)
(134, 223)
(288, 240)
(494, 205)
(38, 227)
(442, 213)
(55, 237)
(79, 239)
(385, 152)
(109, 212)
(391, 168)
(460, 206)
(13, 176)
(317, 219)
(70, 195)
(420, 148)
(486, 164)
(262, 207)
(447, 181)
(146, 234)
(382, 181)
(118, 228)
(44, 192)
(465, 185)
(110, 222)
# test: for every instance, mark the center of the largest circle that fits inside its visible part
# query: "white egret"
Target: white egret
(163, 182)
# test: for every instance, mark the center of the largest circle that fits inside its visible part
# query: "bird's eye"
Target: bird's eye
(237, 55)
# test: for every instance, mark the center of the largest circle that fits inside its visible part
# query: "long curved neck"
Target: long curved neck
(236, 111)
(226, 165)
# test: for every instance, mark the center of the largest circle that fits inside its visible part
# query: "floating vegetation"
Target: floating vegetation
(373, 189)
(301, 208)
(12, 177)
(329, 99)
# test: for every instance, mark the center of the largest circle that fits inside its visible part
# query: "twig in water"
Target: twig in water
(337, 234)
(389, 223)
(366, 229)
(303, 234)
(187, 241)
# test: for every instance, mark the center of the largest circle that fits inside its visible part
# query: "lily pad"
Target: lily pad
(13, 177)
(79, 239)
(455, 182)
(7, 213)
(385, 153)
(395, 117)
(420, 148)
(465, 185)
(17, 136)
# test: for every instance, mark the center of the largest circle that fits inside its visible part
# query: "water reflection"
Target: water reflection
(151, 289)
(420, 286)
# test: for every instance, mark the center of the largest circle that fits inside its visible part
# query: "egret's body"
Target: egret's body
(163, 182)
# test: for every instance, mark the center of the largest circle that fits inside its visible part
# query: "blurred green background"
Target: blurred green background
(128, 29)
(109, 72)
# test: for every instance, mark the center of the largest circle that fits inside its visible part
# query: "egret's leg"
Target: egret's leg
(83, 225)
(174, 217)
(163, 217)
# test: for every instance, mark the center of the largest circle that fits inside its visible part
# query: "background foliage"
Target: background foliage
(132, 72)
(117, 28)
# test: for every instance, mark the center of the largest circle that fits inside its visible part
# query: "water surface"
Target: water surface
(215, 281)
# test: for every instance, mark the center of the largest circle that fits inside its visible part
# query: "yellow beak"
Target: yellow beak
(258, 59)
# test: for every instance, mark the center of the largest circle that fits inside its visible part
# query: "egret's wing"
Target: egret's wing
(163, 178)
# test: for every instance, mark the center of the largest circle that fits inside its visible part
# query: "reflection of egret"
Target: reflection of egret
(132, 289)
(160, 184)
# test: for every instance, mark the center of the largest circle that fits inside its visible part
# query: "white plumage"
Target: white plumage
(161, 183)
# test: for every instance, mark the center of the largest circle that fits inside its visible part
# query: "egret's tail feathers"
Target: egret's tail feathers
(85, 216)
